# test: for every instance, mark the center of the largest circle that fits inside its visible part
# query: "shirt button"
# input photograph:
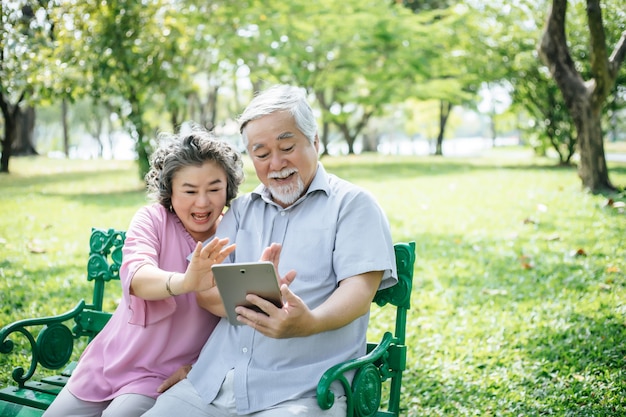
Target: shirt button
(244, 350)
(282, 213)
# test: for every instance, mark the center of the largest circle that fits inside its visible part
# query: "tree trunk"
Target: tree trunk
(345, 130)
(174, 118)
(212, 108)
(592, 169)
(23, 144)
(351, 135)
(10, 122)
(323, 137)
(370, 142)
(445, 108)
(142, 142)
(66, 134)
(321, 99)
(584, 100)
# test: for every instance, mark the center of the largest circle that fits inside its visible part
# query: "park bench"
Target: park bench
(54, 343)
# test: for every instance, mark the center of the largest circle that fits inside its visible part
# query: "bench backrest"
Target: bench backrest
(105, 260)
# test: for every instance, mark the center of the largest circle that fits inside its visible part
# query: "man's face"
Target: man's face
(284, 159)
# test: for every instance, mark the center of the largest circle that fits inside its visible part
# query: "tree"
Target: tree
(26, 36)
(584, 99)
(133, 58)
(354, 56)
(536, 93)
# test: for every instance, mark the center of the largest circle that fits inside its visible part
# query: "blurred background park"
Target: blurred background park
(504, 164)
(98, 79)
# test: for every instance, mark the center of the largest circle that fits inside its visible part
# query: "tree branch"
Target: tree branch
(598, 53)
(555, 54)
(617, 57)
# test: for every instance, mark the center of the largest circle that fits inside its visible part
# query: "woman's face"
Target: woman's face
(199, 197)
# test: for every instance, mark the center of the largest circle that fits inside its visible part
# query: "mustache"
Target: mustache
(283, 173)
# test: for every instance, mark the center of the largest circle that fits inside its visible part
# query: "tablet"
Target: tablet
(235, 281)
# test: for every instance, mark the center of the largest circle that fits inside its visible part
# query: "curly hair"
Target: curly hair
(192, 148)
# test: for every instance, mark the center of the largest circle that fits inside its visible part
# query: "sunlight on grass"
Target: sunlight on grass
(520, 280)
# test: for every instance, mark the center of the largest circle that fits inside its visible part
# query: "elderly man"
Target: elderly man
(337, 239)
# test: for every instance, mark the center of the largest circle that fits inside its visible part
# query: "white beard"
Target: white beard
(289, 193)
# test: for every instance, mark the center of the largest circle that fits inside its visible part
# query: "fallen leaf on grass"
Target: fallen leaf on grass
(578, 377)
(617, 205)
(34, 246)
(578, 252)
(553, 237)
(526, 262)
(613, 269)
(605, 287)
(494, 291)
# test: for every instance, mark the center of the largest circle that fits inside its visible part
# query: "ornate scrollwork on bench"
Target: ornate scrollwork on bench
(52, 348)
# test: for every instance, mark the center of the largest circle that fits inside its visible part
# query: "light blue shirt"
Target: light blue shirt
(335, 231)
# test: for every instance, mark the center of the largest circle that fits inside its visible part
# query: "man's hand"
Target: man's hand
(272, 254)
(210, 299)
(350, 300)
(292, 320)
(179, 375)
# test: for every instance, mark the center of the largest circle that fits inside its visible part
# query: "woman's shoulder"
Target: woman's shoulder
(151, 215)
(154, 210)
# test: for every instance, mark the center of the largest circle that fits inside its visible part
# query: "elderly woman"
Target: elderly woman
(158, 329)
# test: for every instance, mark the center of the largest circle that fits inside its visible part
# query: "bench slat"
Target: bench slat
(56, 380)
(44, 386)
(9, 409)
(26, 396)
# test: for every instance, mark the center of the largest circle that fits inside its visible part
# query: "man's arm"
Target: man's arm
(349, 301)
(212, 301)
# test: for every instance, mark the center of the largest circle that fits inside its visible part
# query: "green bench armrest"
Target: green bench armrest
(53, 346)
(49, 339)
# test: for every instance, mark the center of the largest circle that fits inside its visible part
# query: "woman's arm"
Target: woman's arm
(153, 283)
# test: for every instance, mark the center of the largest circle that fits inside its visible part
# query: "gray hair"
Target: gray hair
(194, 147)
(281, 98)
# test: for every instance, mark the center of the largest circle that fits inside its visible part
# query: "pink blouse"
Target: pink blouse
(145, 341)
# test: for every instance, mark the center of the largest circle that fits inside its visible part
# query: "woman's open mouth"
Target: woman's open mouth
(201, 217)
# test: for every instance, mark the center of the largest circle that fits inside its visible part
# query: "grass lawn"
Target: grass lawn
(520, 279)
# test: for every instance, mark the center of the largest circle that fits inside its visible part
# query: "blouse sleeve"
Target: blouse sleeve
(142, 246)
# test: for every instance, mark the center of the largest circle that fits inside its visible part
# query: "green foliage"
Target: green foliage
(520, 276)
(25, 50)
